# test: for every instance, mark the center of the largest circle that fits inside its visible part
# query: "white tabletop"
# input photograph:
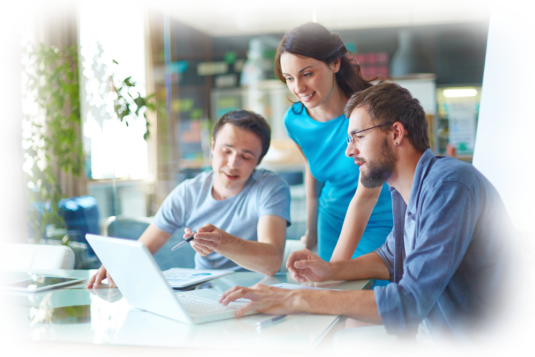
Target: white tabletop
(102, 316)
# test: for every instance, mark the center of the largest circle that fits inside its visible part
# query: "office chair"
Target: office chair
(15, 256)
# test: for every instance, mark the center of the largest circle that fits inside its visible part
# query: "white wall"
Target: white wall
(505, 142)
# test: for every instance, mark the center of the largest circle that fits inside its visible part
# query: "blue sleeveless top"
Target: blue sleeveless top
(324, 145)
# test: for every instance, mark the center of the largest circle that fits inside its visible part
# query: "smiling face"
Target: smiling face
(371, 150)
(311, 81)
(235, 154)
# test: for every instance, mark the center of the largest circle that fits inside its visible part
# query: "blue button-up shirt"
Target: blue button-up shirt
(453, 266)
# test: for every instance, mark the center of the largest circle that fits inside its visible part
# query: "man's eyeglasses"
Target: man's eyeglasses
(352, 138)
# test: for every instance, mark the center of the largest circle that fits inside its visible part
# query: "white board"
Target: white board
(505, 141)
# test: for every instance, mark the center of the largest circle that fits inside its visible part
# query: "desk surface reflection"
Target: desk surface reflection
(102, 316)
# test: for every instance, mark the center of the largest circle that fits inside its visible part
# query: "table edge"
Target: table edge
(81, 349)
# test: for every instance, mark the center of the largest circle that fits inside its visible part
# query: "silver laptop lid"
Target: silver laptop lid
(137, 276)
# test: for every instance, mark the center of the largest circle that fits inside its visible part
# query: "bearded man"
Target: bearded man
(445, 257)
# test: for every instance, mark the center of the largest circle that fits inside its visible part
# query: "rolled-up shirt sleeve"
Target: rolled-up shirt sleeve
(445, 224)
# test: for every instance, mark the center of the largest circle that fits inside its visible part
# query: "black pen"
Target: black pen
(188, 239)
(264, 323)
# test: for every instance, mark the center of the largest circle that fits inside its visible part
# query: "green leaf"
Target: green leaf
(128, 82)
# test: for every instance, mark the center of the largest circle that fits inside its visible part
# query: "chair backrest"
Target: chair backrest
(133, 228)
(16, 256)
(126, 227)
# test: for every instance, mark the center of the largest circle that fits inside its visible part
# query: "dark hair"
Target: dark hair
(389, 102)
(315, 41)
(249, 121)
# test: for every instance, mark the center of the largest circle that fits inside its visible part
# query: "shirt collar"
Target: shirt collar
(425, 162)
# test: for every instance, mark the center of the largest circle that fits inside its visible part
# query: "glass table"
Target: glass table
(76, 321)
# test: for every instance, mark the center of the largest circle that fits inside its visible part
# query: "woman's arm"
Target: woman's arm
(312, 190)
(357, 217)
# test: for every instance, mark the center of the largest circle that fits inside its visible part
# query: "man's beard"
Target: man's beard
(380, 170)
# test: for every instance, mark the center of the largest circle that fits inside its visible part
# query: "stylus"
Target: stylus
(189, 239)
(264, 323)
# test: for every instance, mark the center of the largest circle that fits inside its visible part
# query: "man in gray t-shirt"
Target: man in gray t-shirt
(191, 204)
(239, 213)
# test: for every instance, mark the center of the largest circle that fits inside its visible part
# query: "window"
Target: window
(113, 149)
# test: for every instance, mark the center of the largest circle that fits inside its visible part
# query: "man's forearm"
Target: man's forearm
(263, 258)
(154, 238)
(369, 266)
(356, 304)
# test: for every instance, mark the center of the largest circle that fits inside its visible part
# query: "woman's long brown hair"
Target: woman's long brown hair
(315, 41)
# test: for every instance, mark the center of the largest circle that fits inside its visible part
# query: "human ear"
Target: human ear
(398, 131)
(335, 65)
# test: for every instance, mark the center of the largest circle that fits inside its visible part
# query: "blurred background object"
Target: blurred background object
(451, 151)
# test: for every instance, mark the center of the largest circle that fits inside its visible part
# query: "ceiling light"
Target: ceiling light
(465, 92)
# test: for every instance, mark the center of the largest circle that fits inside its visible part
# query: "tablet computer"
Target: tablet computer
(37, 283)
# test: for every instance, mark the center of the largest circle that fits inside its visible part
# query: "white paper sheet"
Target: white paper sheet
(180, 277)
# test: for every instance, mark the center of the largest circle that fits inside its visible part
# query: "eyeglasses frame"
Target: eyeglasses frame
(350, 139)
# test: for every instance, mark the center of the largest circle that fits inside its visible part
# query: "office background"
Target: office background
(201, 59)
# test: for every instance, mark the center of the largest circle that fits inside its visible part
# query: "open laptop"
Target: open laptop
(142, 283)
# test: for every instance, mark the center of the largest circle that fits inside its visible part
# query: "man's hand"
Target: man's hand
(266, 299)
(96, 279)
(304, 265)
(206, 240)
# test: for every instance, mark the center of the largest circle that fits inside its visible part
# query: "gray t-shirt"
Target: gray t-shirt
(191, 205)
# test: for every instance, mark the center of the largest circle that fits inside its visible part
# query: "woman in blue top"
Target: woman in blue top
(315, 66)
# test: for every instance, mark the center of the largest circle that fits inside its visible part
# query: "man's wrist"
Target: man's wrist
(296, 301)
(226, 239)
(334, 269)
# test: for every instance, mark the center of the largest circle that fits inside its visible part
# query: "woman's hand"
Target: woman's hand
(309, 240)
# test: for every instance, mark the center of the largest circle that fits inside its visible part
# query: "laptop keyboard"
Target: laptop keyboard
(199, 305)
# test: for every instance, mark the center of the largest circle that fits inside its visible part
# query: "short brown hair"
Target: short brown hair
(249, 121)
(389, 102)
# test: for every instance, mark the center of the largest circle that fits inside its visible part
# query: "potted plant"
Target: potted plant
(52, 131)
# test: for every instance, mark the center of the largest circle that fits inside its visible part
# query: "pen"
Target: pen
(264, 323)
(188, 239)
